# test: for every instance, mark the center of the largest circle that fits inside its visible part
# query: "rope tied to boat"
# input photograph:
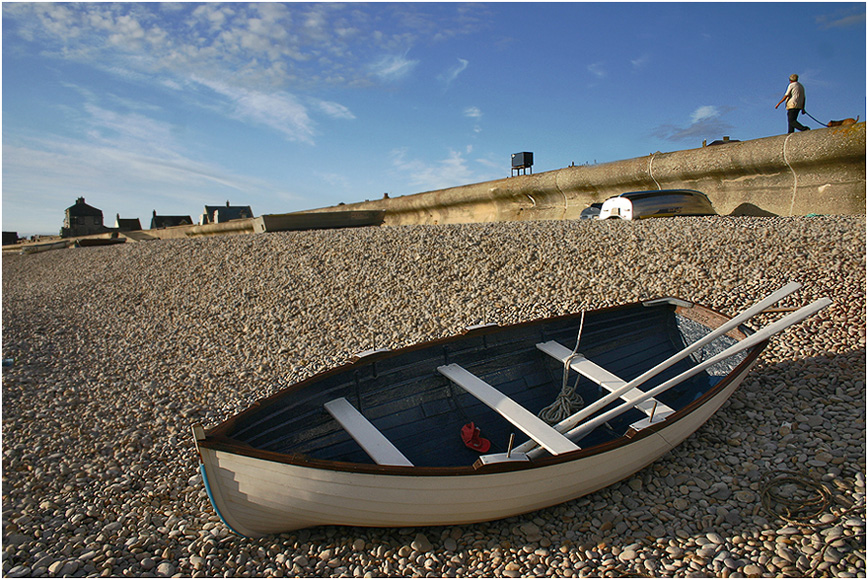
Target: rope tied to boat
(568, 400)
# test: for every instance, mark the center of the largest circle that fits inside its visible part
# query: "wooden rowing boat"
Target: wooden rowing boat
(423, 436)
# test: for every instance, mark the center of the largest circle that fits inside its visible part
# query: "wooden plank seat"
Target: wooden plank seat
(369, 438)
(654, 409)
(534, 427)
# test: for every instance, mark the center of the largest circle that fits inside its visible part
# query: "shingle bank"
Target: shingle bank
(114, 352)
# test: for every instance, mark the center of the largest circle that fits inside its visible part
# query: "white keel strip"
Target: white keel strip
(580, 416)
(751, 341)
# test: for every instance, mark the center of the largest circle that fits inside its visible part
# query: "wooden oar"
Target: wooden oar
(576, 418)
(754, 339)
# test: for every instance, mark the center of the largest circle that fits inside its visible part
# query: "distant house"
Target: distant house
(127, 224)
(82, 220)
(218, 214)
(168, 221)
(10, 238)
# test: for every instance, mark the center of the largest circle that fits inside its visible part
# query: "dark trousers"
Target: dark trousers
(793, 121)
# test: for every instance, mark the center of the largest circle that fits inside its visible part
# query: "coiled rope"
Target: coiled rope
(568, 400)
(807, 499)
(798, 500)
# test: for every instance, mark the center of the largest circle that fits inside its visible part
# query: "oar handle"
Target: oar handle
(574, 419)
(754, 339)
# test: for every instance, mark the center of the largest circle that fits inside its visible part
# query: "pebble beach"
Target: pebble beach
(111, 354)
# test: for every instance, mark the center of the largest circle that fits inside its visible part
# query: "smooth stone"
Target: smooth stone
(18, 539)
(19, 572)
(165, 569)
(714, 538)
(421, 543)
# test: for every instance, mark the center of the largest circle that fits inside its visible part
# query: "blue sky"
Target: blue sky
(286, 107)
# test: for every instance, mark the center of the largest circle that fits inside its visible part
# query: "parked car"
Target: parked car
(636, 205)
(592, 212)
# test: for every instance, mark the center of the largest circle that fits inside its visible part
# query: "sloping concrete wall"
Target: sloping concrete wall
(820, 171)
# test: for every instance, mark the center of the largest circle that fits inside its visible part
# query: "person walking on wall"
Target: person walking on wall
(795, 98)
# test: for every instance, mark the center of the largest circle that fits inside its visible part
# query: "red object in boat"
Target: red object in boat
(471, 438)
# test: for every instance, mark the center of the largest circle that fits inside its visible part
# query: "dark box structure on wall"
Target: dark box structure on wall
(522, 160)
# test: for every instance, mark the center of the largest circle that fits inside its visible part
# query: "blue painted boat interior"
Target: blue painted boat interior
(422, 412)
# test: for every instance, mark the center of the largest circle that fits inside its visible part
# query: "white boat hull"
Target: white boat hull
(256, 497)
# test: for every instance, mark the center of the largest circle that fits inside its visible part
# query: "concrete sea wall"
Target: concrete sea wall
(820, 171)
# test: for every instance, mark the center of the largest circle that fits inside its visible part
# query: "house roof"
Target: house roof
(165, 221)
(82, 209)
(128, 223)
(229, 212)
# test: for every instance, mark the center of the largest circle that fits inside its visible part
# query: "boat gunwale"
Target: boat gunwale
(217, 439)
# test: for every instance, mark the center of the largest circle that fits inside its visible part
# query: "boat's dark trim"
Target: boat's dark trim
(218, 440)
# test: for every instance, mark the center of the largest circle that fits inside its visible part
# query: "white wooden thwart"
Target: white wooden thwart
(371, 439)
(607, 380)
(530, 424)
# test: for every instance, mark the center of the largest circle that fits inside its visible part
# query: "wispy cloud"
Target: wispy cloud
(335, 110)
(279, 111)
(474, 113)
(843, 19)
(261, 46)
(115, 147)
(393, 67)
(597, 69)
(703, 113)
(705, 122)
(131, 132)
(456, 168)
(641, 61)
(448, 172)
(452, 73)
